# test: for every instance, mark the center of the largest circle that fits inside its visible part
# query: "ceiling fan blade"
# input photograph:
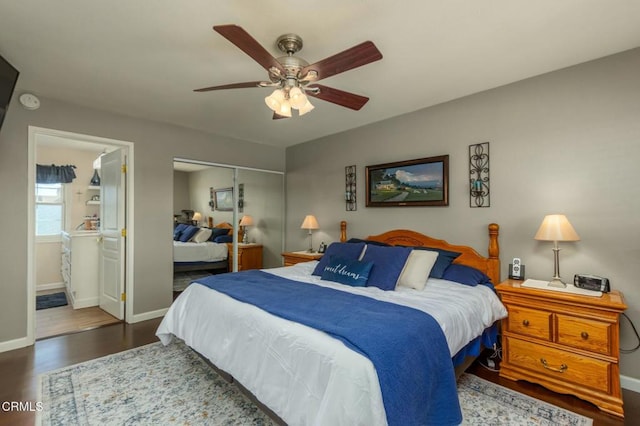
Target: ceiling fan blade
(230, 86)
(277, 116)
(340, 97)
(248, 45)
(357, 56)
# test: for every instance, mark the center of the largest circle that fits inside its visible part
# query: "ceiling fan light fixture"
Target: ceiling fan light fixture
(284, 109)
(274, 100)
(297, 98)
(305, 108)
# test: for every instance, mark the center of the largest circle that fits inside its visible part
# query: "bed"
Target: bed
(338, 375)
(189, 256)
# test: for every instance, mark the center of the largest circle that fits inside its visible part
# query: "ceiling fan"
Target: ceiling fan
(292, 77)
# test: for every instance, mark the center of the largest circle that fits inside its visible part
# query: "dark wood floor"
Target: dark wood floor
(20, 368)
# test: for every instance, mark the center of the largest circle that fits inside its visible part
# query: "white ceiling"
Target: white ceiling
(143, 58)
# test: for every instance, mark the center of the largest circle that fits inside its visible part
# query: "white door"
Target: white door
(113, 228)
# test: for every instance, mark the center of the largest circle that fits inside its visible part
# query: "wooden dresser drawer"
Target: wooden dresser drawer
(529, 322)
(590, 335)
(566, 366)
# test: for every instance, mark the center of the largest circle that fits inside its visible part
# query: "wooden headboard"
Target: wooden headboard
(402, 237)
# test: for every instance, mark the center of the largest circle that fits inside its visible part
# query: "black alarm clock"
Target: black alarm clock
(591, 282)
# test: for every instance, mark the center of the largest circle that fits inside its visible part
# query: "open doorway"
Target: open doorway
(72, 280)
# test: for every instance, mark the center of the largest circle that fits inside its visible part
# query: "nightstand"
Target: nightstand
(293, 257)
(249, 256)
(565, 342)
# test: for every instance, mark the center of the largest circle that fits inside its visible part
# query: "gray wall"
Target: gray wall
(565, 142)
(155, 145)
(181, 194)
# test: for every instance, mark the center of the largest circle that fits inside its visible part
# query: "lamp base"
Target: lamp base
(556, 282)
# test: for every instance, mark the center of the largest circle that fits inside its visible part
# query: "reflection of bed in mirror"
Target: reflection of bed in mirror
(209, 255)
(306, 371)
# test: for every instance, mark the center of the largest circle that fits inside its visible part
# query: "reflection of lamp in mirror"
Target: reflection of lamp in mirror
(244, 222)
(197, 217)
(556, 227)
(310, 223)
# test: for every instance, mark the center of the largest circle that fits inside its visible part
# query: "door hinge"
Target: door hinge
(123, 297)
(124, 168)
(124, 232)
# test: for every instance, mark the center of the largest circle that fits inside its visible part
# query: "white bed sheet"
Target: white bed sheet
(304, 375)
(199, 252)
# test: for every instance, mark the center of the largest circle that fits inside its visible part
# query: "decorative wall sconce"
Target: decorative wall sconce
(479, 183)
(350, 188)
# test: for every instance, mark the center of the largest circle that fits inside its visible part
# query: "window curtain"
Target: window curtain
(55, 174)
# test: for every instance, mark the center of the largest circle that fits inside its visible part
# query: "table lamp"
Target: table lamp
(310, 223)
(244, 222)
(556, 227)
(197, 217)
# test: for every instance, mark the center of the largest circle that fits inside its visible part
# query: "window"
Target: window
(49, 209)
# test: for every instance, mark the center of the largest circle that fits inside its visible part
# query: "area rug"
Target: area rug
(53, 300)
(158, 385)
(182, 279)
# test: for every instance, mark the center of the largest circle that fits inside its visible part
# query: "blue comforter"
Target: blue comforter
(406, 346)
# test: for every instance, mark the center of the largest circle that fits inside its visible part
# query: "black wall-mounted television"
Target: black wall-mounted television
(8, 78)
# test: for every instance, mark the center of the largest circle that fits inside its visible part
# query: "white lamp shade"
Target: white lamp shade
(274, 100)
(246, 221)
(310, 222)
(297, 98)
(197, 216)
(305, 108)
(284, 109)
(556, 227)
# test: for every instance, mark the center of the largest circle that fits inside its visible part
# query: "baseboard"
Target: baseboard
(85, 303)
(50, 286)
(10, 345)
(630, 383)
(147, 316)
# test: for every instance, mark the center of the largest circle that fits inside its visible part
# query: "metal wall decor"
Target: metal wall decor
(350, 188)
(479, 188)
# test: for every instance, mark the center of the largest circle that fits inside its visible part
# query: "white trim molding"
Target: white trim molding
(146, 316)
(50, 286)
(630, 383)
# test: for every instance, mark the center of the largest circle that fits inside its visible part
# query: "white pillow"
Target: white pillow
(416, 269)
(202, 235)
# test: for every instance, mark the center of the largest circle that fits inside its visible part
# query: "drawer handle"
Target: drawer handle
(562, 368)
(584, 335)
(525, 323)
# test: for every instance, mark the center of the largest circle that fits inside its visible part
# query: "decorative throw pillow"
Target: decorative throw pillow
(445, 258)
(387, 265)
(202, 235)
(346, 251)
(223, 239)
(466, 275)
(188, 233)
(375, 243)
(177, 231)
(216, 232)
(417, 268)
(350, 272)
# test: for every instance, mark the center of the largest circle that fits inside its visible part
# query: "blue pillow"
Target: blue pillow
(387, 265)
(188, 232)
(178, 230)
(346, 251)
(466, 275)
(358, 240)
(445, 258)
(216, 232)
(350, 272)
(223, 239)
